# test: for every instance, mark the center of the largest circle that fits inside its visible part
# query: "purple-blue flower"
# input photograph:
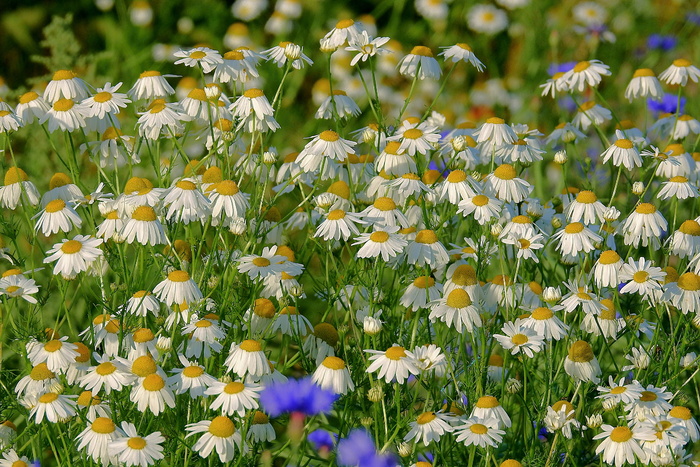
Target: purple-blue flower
(555, 68)
(322, 439)
(296, 395)
(661, 42)
(358, 449)
(668, 104)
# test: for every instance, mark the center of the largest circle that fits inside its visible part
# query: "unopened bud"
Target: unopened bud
(609, 404)
(513, 385)
(270, 157)
(556, 222)
(372, 326)
(296, 291)
(551, 295)
(404, 449)
(366, 421)
(237, 226)
(459, 143)
(369, 135)
(212, 281)
(534, 209)
(496, 229)
(164, 344)
(560, 157)
(292, 52)
(638, 188)
(594, 421)
(326, 46)
(611, 214)
(689, 360)
(212, 91)
(375, 394)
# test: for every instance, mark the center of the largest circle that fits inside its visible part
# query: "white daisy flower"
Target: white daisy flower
(420, 64)
(545, 323)
(520, 339)
(57, 216)
(234, 397)
(327, 146)
(680, 71)
(581, 364)
(487, 19)
(476, 431)
(488, 407)
(191, 379)
(338, 225)
(56, 353)
(287, 52)
(220, 434)
(55, 407)
(247, 358)
(644, 83)
(576, 238)
(261, 430)
(31, 107)
(645, 225)
(95, 439)
(622, 152)
(151, 85)
(621, 444)
(366, 48)
(589, 72)
(203, 57)
(505, 184)
(134, 450)
(641, 278)
(74, 256)
(152, 392)
(339, 103)
(394, 363)
(143, 227)
(185, 203)
(346, 31)
(65, 84)
(607, 269)
(333, 375)
(462, 52)
(383, 241)
(456, 309)
(589, 113)
(177, 288)
(429, 427)
(17, 285)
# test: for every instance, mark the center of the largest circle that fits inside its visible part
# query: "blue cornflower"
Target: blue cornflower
(555, 68)
(661, 42)
(322, 439)
(296, 395)
(668, 104)
(358, 450)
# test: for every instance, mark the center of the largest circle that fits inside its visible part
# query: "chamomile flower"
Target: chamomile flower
(483, 207)
(322, 149)
(57, 216)
(455, 188)
(190, 379)
(581, 364)
(589, 113)
(219, 433)
(585, 208)
(420, 64)
(185, 203)
(151, 85)
(429, 427)
(234, 397)
(261, 266)
(504, 184)
(338, 225)
(641, 278)
(55, 407)
(177, 287)
(525, 247)
(684, 417)
(106, 102)
(143, 227)
(606, 271)
(56, 353)
(10, 458)
(247, 358)
(65, 84)
(333, 375)
(16, 185)
(108, 375)
(520, 339)
(31, 107)
(678, 187)
(622, 152)
(254, 111)
(576, 238)
(645, 225)
(16, 286)
(161, 117)
(422, 290)
(462, 52)
(384, 242)
(134, 450)
(338, 103)
(426, 249)
(457, 310)
(394, 363)
(644, 83)
(345, 32)
(203, 57)
(95, 439)
(680, 71)
(74, 256)
(684, 294)
(476, 431)
(556, 84)
(286, 52)
(685, 242)
(621, 444)
(487, 19)
(587, 72)
(152, 392)
(545, 323)
(496, 132)
(430, 359)
(366, 48)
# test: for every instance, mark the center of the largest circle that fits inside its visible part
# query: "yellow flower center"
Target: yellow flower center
(233, 55)
(480, 200)
(395, 353)
(640, 276)
(329, 135)
(505, 172)
(495, 121)
(681, 62)
(227, 188)
(327, 333)
(253, 93)
(28, 97)
(144, 214)
(524, 243)
(261, 262)
(63, 105)
(12, 289)
(624, 143)
(413, 133)
(519, 339)
(41, 372)
(63, 74)
(689, 281)
(426, 236)
(521, 220)
(586, 197)
(424, 282)
(344, 24)
(55, 206)
(143, 335)
(48, 397)
(643, 72)
(464, 275)
(334, 363)
(153, 383)
(574, 228)
(71, 247)
(681, 412)
(53, 345)
(193, 371)
(385, 204)
(234, 387)
(250, 346)
(426, 417)
(479, 429)
(458, 298)
(618, 390)
(581, 66)
(178, 276)
(588, 106)
(222, 427)
(542, 313)
(487, 402)
(102, 97)
(581, 352)
(609, 257)
(422, 51)
(103, 425)
(198, 55)
(260, 418)
(464, 46)
(645, 208)
(144, 366)
(136, 443)
(379, 236)
(456, 176)
(621, 434)
(106, 368)
(149, 74)
(336, 214)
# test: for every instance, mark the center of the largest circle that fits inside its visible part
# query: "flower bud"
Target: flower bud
(375, 394)
(164, 344)
(270, 157)
(326, 46)
(638, 188)
(459, 143)
(513, 385)
(556, 222)
(366, 421)
(372, 326)
(496, 229)
(609, 404)
(560, 157)
(551, 295)
(369, 135)
(237, 226)
(594, 421)
(534, 209)
(611, 214)
(292, 52)
(404, 449)
(689, 360)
